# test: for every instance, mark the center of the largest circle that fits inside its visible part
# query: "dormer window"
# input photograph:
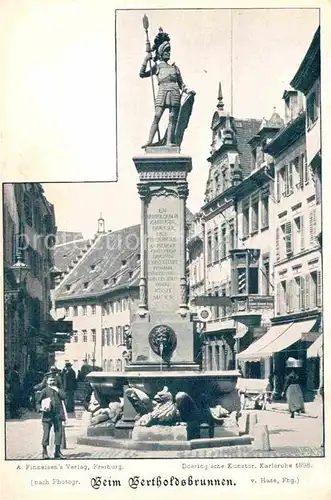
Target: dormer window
(114, 281)
(123, 262)
(86, 285)
(68, 287)
(130, 274)
(138, 257)
(105, 282)
(92, 268)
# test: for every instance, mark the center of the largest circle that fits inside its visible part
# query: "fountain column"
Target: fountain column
(162, 331)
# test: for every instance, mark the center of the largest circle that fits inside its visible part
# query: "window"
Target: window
(105, 282)
(93, 309)
(312, 226)
(107, 336)
(241, 280)
(209, 248)
(111, 365)
(111, 336)
(255, 216)
(118, 335)
(315, 290)
(231, 236)
(299, 235)
(75, 311)
(297, 294)
(253, 280)
(118, 365)
(283, 297)
(299, 173)
(245, 221)
(75, 337)
(111, 307)
(103, 337)
(312, 109)
(223, 307)
(124, 304)
(223, 242)
(305, 168)
(264, 211)
(216, 246)
(86, 285)
(66, 311)
(265, 271)
(286, 233)
(93, 335)
(105, 365)
(84, 310)
(84, 335)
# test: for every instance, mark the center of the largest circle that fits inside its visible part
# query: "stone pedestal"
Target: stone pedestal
(160, 433)
(162, 333)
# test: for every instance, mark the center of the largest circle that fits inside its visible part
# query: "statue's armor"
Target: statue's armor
(170, 82)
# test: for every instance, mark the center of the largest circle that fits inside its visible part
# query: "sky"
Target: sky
(60, 98)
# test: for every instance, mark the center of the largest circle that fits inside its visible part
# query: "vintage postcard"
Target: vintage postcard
(164, 273)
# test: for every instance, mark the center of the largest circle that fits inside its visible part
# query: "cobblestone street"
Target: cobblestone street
(301, 436)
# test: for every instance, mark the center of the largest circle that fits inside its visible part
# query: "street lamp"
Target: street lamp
(20, 271)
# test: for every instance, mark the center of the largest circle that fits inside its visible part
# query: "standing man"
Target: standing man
(69, 385)
(52, 399)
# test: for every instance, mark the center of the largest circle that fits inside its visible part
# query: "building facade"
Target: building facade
(295, 253)
(29, 236)
(98, 292)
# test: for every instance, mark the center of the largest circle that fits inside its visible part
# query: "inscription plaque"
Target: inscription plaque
(163, 253)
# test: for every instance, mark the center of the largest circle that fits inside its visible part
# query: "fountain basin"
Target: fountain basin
(205, 387)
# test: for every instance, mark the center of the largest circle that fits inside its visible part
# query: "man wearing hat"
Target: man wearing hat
(51, 399)
(69, 385)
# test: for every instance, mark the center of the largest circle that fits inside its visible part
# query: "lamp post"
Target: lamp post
(19, 271)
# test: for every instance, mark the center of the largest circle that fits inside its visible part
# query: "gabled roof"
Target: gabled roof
(65, 254)
(113, 262)
(310, 67)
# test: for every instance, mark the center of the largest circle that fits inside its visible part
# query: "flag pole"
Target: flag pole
(148, 49)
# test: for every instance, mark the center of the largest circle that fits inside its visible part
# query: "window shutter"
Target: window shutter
(278, 186)
(278, 298)
(289, 292)
(302, 293)
(319, 289)
(307, 290)
(290, 178)
(312, 226)
(277, 244)
(302, 233)
(301, 173)
(287, 296)
(305, 168)
(288, 237)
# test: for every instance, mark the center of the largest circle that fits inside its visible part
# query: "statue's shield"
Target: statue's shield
(182, 120)
(184, 117)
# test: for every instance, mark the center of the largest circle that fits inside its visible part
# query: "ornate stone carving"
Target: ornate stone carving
(163, 191)
(144, 191)
(182, 189)
(156, 174)
(163, 341)
(143, 292)
(162, 410)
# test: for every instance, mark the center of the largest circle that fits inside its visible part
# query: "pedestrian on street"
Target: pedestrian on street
(15, 392)
(53, 411)
(69, 385)
(293, 393)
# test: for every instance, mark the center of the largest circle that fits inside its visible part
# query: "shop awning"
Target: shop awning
(253, 351)
(276, 339)
(315, 350)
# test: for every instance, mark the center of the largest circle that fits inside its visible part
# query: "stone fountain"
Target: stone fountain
(163, 399)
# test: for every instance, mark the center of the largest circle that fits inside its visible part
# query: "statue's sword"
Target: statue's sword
(148, 49)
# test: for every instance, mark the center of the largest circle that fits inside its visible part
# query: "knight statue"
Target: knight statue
(170, 91)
